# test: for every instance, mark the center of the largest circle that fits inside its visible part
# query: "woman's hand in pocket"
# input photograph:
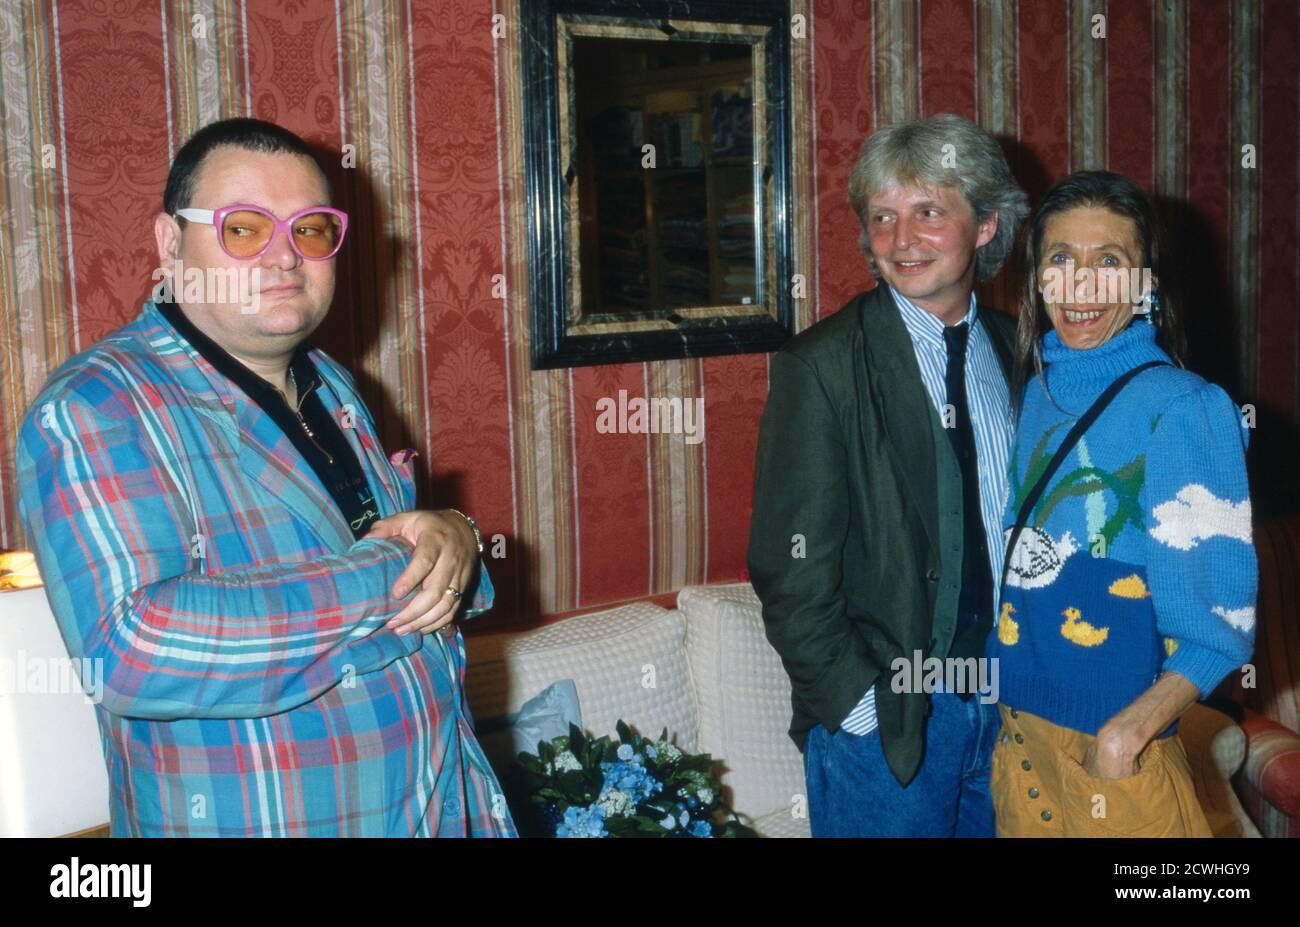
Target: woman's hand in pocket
(1113, 753)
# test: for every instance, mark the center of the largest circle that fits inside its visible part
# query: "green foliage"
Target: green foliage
(633, 787)
(1124, 484)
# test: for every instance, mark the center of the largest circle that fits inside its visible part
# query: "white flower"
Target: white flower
(667, 752)
(616, 802)
(706, 796)
(565, 762)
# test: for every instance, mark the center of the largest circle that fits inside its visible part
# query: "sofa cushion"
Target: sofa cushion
(627, 663)
(743, 697)
(783, 824)
(544, 717)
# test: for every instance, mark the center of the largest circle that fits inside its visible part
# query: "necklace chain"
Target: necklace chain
(293, 382)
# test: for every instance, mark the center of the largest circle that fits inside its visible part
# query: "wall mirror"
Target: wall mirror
(658, 174)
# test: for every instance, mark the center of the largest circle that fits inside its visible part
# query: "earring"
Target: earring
(1149, 307)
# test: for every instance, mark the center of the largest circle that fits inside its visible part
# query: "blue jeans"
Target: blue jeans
(853, 793)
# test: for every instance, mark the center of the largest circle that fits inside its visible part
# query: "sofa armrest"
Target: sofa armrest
(1272, 762)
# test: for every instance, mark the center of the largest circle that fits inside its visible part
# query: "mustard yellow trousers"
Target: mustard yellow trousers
(1041, 790)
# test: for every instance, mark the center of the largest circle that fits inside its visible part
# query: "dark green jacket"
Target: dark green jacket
(855, 546)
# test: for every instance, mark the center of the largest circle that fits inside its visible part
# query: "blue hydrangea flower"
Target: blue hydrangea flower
(701, 829)
(630, 778)
(625, 752)
(582, 822)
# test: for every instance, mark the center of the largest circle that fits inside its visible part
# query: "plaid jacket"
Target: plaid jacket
(249, 686)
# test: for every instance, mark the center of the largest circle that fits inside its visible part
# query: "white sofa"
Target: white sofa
(704, 671)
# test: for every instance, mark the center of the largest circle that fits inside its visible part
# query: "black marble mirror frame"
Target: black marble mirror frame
(551, 247)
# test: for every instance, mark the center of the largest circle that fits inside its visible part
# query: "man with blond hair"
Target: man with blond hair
(880, 480)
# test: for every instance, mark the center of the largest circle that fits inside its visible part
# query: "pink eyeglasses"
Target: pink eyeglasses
(245, 231)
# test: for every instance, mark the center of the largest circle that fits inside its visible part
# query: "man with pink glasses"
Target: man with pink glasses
(217, 523)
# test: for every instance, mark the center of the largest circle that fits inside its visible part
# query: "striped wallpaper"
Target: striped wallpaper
(98, 95)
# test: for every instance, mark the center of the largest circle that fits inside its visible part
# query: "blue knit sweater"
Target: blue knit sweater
(1137, 559)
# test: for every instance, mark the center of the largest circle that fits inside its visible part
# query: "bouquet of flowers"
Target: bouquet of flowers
(592, 787)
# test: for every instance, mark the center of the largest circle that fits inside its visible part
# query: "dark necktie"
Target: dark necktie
(975, 604)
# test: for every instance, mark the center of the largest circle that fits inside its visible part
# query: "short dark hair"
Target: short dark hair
(1116, 193)
(249, 134)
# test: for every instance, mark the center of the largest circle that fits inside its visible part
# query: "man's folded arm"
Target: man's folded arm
(796, 543)
(480, 594)
(114, 537)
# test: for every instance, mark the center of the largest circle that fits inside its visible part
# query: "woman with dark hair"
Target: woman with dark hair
(1128, 590)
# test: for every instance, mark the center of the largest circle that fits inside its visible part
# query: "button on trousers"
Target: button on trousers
(1040, 788)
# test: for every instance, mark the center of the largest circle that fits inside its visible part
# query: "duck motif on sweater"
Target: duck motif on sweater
(1137, 559)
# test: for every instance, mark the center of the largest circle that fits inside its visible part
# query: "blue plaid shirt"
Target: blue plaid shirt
(250, 688)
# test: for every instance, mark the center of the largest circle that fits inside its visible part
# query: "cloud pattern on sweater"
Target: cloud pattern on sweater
(1243, 619)
(1196, 515)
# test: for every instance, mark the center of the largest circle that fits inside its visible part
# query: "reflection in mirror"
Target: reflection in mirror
(665, 175)
(658, 213)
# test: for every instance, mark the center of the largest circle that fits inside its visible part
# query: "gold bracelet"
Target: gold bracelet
(473, 526)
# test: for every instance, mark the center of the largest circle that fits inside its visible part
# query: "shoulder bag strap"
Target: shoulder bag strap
(1071, 439)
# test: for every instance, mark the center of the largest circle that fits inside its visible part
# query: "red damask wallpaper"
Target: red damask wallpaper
(99, 94)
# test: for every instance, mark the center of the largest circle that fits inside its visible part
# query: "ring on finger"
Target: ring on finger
(453, 592)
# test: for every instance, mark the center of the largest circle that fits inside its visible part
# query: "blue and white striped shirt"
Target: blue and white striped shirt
(989, 401)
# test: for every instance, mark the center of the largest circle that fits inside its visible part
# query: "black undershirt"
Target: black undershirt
(326, 450)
